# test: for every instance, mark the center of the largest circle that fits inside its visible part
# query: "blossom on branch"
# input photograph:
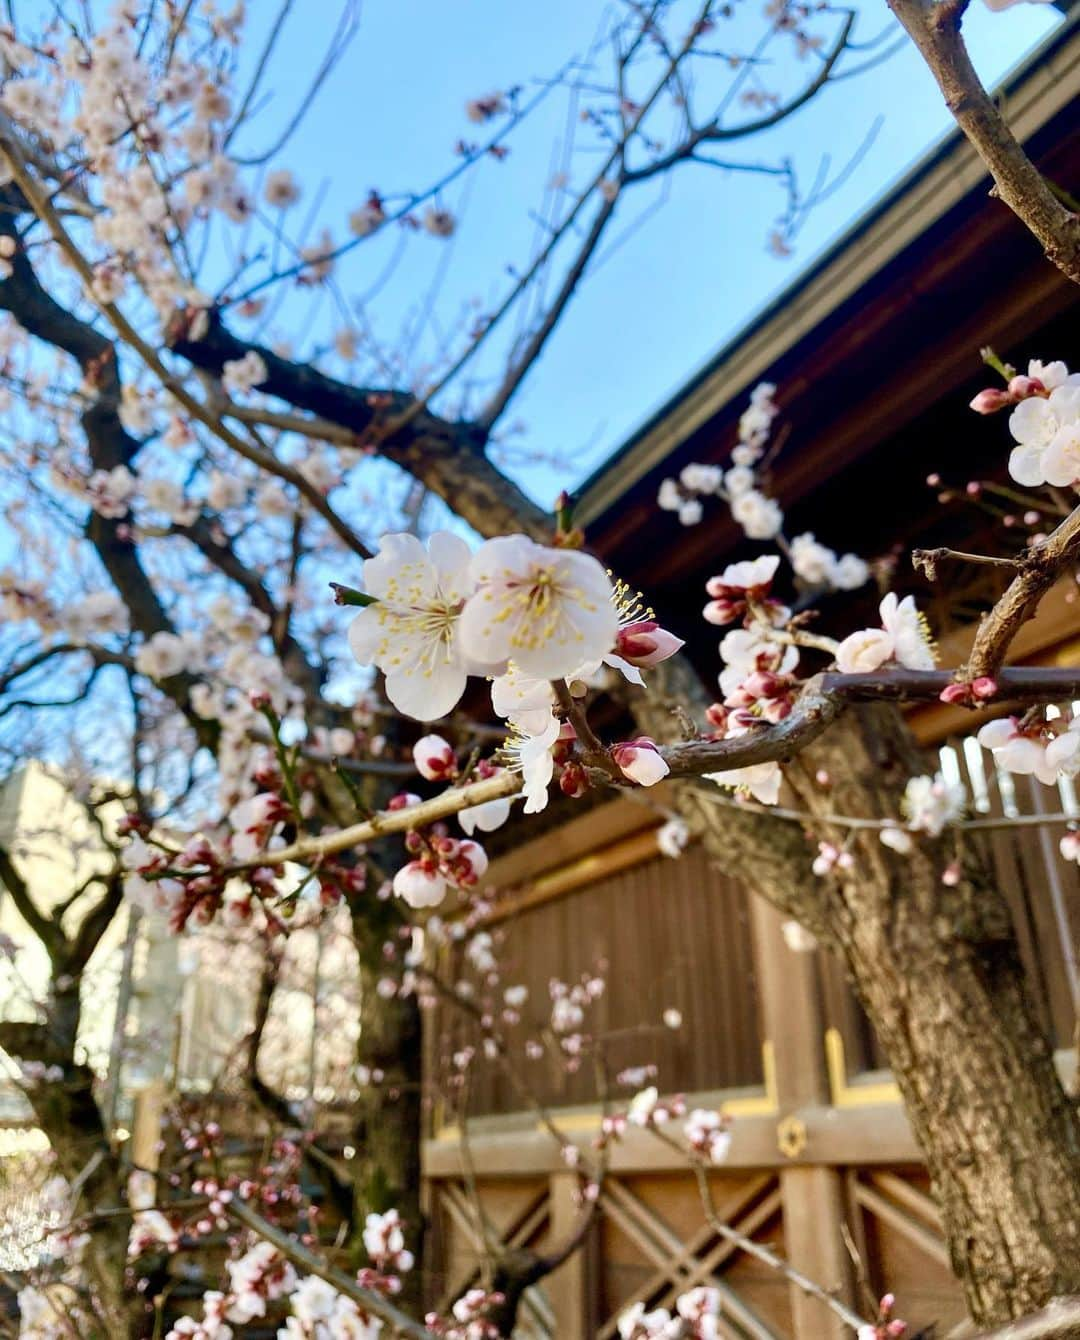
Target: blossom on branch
(547, 610)
(903, 638)
(410, 631)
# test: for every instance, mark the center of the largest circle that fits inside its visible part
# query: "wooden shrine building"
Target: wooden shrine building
(875, 356)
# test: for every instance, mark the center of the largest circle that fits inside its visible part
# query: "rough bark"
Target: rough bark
(938, 971)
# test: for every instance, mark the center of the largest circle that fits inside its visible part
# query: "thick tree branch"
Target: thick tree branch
(447, 458)
(1061, 1317)
(1038, 571)
(44, 927)
(935, 30)
(95, 923)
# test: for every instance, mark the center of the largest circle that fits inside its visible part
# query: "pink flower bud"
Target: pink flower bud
(984, 687)
(402, 801)
(1022, 387)
(419, 887)
(474, 856)
(434, 758)
(716, 715)
(640, 760)
(646, 643)
(722, 611)
(990, 401)
(955, 693)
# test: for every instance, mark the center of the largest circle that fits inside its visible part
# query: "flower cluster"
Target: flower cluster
(438, 614)
(696, 1318)
(1044, 423)
(522, 615)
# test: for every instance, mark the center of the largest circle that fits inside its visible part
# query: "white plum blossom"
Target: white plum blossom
(411, 631)
(1063, 751)
(819, 565)
(897, 839)
(672, 837)
(548, 610)
(164, 655)
(745, 650)
(243, 374)
(489, 816)
(384, 1242)
(931, 803)
(643, 1106)
(260, 1276)
(759, 516)
(419, 887)
(1070, 847)
(224, 491)
(797, 938)
(701, 478)
(281, 189)
(1045, 429)
(670, 497)
(434, 758)
(903, 638)
(1017, 751)
(523, 699)
(110, 491)
(706, 1131)
(760, 781)
(530, 754)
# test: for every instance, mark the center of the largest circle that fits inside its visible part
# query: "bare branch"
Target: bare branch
(935, 30)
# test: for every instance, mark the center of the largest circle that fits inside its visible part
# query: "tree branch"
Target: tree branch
(1038, 571)
(935, 30)
(313, 1264)
(44, 927)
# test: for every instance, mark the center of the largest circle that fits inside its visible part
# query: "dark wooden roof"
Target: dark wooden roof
(875, 354)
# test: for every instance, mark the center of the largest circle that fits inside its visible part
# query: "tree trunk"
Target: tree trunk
(388, 1112)
(68, 1114)
(938, 971)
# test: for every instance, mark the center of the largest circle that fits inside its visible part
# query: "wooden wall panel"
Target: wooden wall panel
(666, 934)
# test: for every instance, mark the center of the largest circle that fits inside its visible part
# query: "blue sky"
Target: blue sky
(682, 279)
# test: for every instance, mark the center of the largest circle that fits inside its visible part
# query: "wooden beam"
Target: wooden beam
(813, 1216)
(923, 1238)
(568, 1288)
(849, 1138)
(600, 826)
